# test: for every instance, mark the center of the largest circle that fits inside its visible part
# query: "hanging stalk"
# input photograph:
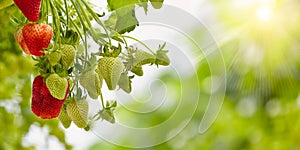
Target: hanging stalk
(44, 11)
(67, 14)
(80, 17)
(84, 14)
(148, 48)
(102, 101)
(95, 16)
(84, 27)
(71, 21)
(55, 22)
(85, 51)
(90, 27)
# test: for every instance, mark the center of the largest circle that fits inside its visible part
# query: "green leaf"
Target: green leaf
(157, 4)
(122, 20)
(111, 21)
(144, 4)
(126, 20)
(115, 4)
(116, 38)
(125, 83)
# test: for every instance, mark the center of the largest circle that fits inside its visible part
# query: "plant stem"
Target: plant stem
(55, 22)
(125, 42)
(102, 101)
(85, 51)
(84, 14)
(67, 13)
(95, 16)
(47, 10)
(80, 17)
(72, 22)
(148, 48)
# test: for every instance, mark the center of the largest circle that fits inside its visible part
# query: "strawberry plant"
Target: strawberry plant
(56, 33)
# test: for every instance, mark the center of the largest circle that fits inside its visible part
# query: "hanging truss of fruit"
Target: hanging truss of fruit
(56, 33)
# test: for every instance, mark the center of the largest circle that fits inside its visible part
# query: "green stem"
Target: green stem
(72, 22)
(85, 37)
(47, 10)
(84, 14)
(56, 23)
(67, 14)
(95, 16)
(148, 48)
(102, 101)
(43, 11)
(126, 44)
(85, 51)
(80, 17)
(84, 29)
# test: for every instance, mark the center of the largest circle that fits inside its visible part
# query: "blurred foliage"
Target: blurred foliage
(15, 91)
(262, 103)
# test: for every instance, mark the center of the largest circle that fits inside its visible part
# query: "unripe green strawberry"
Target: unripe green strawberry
(78, 112)
(64, 118)
(138, 70)
(125, 83)
(90, 81)
(110, 69)
(142, 58)
(54, 58)
(57, 86)
(67, 56)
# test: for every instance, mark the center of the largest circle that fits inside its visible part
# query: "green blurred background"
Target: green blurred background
(260, 43)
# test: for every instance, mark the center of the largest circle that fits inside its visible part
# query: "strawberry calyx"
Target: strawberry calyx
(111, 51)
(162, 58)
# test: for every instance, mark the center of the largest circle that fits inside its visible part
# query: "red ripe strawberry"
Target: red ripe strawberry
(30, 8)
(37, 37)
(43, 103)
(20, 40)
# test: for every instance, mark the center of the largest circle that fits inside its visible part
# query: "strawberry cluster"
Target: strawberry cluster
(32, 37)
(61, 88)
(49, 89)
